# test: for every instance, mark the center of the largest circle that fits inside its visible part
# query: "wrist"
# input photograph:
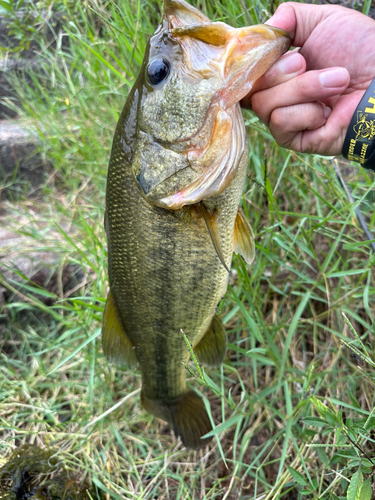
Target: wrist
(359, 143)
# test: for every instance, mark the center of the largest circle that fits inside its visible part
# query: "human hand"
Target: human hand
(307, 99)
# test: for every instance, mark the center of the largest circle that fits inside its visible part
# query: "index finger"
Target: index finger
(287, 67)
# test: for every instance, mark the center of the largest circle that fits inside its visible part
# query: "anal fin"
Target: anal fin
(117, 346)
(211, 349)
(244, 238)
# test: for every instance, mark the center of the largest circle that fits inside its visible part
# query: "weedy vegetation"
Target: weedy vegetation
(293, 404)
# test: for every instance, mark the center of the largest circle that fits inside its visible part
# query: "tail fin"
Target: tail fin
(187, 416)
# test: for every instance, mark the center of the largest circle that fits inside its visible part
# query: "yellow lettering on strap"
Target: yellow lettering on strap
(371, 110)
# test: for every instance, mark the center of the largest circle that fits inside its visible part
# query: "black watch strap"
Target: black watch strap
(359, 143)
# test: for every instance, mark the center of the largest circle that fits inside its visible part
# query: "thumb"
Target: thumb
(299, 20)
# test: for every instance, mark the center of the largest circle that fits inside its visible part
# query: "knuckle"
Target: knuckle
(284, 7)
(302, 86)
(255, 102)
(285, 142)
(280, 142)
(258, 106)
(279, 118)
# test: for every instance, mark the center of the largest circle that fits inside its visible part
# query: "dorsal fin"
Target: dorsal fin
(210, 220)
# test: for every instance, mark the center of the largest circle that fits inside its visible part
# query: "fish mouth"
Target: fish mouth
(246, 55)
(218, 66)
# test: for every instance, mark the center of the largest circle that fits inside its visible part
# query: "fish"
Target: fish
(177, 171)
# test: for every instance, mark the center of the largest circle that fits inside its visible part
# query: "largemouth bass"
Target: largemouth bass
(176, 175)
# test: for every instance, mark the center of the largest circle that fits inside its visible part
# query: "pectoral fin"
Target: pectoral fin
(212, 347)
(243, 238)
(117, 346)
(210, 220)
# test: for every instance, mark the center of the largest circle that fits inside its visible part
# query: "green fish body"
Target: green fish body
(175, 180)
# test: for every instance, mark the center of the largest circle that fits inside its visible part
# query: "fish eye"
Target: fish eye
(158, 70)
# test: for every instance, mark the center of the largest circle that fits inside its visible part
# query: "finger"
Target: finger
(308, 87)
(306, 128)
(299, 19)
(285, 18)
(288, 66)
(287, 122)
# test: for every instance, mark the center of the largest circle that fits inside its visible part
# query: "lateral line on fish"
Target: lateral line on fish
(213, 232)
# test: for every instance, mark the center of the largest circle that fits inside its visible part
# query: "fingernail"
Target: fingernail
(333, 77)
(326, 111)
(289, 64)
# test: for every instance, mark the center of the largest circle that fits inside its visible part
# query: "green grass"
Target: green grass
(294, 409)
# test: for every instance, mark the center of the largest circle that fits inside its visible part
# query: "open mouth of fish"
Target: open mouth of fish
(218, 64)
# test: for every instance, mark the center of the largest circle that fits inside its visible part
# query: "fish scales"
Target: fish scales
(175, 180)
(153, 259)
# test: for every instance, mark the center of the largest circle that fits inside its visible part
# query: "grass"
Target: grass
(294, 400)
